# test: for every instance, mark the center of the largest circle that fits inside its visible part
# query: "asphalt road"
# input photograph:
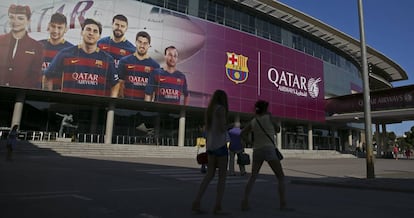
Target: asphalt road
(56, 186)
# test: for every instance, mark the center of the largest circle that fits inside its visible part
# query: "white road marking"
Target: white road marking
(46, 195)
(193, 175)
(165, 170)
(146, 215)
(134, 189)
(55, 196)
(38, 193)
(82, 197)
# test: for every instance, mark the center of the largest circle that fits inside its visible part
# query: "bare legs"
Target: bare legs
(252, 179)
(213, 163)
(278, 171)
(9, 156)
(232, 161)
(232, 154)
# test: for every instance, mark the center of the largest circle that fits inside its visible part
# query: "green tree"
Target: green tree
(391, 136)
(389, 141)
(407, 140)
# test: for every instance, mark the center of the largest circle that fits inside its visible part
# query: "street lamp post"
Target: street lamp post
(367, 100)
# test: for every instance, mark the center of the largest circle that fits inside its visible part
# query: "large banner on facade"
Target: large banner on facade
(129, 49)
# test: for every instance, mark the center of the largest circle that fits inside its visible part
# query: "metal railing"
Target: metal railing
(99, 138)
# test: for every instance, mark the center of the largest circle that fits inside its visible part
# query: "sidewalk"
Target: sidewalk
(390, 175)
(380, 184)
(101, 186)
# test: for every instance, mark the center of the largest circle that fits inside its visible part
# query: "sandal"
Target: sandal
(245, 205)
(196, 208)
(285, 208)
(219, 211)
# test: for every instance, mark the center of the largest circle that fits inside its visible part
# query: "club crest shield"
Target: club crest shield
(236, 68)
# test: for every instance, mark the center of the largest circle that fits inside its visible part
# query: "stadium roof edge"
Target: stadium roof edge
(330, 35)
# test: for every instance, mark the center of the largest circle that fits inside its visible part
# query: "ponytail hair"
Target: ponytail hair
(261, 107)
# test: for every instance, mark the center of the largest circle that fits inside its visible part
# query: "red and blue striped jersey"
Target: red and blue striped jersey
(116, 49)
(83, 73)
(49, 52)
(135, 74)
(168, 87)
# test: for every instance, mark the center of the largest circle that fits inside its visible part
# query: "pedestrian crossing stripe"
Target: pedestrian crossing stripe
(193, 175)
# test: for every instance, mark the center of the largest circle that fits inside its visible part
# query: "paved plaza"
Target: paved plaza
(38, 185)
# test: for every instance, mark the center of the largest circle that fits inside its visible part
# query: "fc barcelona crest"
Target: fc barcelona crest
(236, 68)
(98, 63)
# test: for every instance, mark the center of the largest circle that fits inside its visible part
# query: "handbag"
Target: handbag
(278, 153)
(243, 159)
(202, 158)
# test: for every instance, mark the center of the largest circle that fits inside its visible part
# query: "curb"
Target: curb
(390, 185)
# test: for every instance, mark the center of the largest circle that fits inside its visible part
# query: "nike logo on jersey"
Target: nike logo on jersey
(74, 61)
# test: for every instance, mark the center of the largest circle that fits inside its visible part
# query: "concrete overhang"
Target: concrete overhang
(379, 117)
(387, 68)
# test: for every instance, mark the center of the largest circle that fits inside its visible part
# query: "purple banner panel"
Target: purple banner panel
(208, 56)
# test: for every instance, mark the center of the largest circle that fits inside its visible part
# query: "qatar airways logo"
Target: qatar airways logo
(85, 78)
(170, 93)
(291, 83)
(138, 81)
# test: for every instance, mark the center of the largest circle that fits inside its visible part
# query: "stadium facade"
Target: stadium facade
(252, 49)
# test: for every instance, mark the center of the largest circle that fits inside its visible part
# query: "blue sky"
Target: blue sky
(388, 29)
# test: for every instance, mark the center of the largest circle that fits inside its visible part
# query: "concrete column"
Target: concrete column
(358, 140)
(94, 119)
(157, 128)
(384, 138)
(333, 141)
(181, 128)
(378, 139)
(310, 137)
(350, 138)
(110, 114)
(18, 109)
(279, 136)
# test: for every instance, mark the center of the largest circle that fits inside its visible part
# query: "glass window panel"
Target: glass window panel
(182, 6)
(220, 13)
(172, 4)
(202, 8)
(155, 2)
(211, 14)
